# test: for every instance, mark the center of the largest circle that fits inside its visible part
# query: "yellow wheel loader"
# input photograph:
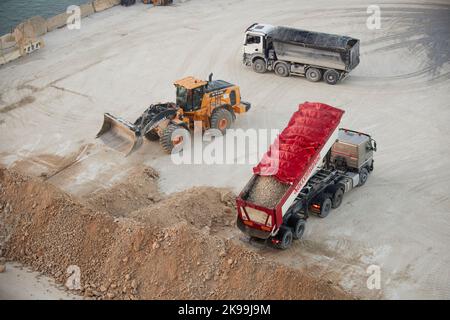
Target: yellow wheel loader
(214, 102)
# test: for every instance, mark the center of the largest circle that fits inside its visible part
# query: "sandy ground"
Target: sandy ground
(52, 105)
(20, 283)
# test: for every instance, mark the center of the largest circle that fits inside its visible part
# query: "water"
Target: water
(13, 12)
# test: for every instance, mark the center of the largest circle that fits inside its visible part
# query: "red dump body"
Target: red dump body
(293, 158)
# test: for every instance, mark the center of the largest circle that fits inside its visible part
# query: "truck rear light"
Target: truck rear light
(266, 228)
(249, 223)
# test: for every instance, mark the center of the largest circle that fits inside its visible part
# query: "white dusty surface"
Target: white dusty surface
(20, 283)
(123, 59)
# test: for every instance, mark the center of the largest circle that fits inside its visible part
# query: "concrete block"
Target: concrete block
(87, 9)
(33, 27)
(7, 44)
(39, 24)
(57, 21)
(13, 55)
(100, 5)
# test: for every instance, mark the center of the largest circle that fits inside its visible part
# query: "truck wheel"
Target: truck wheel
(313, 74)
(363, 176)
(169, 140)
(221, 119)
(331, 76)
(282, 69)
(325, 207)
(337, 198)
(285, 238)
(298, 227)
(259, 66)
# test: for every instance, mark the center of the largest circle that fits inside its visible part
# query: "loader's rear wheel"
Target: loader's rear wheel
(259, 66)
(282, 69)
(313, 74)
(221, 119)
(285, 238)
(170, 139)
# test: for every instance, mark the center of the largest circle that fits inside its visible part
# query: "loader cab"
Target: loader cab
(189, 93)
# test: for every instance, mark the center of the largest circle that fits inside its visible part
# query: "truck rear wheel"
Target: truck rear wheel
(331, 76)
(337, 198)
(363, 176)
(285, 238)
(221, 119)
(299, 229)
(325, 206)
(169, 139)
(313, 74)
(282, 69)
(259, 66)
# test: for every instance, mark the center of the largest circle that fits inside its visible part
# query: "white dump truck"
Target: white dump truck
(308, 169)
(290, 51)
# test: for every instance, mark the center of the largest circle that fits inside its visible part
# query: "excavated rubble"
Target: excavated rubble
(139, 244)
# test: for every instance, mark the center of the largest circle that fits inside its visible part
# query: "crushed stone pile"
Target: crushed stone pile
(165, 250)
(267, 191)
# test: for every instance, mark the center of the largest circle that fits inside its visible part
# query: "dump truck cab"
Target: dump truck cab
(255, 42)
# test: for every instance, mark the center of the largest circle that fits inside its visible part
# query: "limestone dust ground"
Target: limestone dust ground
(166, 248)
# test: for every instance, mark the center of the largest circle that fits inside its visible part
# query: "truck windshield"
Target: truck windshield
(252, 39)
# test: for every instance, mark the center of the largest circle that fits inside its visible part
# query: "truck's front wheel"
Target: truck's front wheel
(363, 176)
(313, 74)
(259, 66)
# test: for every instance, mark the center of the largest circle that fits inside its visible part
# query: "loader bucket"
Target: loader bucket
(119, 134)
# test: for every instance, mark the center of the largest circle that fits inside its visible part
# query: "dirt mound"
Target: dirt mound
(139, 190)
(123, 258)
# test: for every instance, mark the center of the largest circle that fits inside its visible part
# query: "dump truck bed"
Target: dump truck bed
(291, 160)
(315, 48)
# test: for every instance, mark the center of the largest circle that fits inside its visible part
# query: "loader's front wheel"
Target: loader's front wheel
(221, 119)
(151, 136)
(173, 136)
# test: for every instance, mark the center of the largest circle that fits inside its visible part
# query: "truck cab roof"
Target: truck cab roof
(260, 28)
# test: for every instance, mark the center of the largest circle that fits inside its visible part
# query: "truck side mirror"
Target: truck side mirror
(374, 145)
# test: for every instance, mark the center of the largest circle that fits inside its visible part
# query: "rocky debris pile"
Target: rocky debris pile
(138, 191)
(103, 256)
(267, 191)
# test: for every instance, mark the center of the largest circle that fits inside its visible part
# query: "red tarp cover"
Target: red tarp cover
(309, 129)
